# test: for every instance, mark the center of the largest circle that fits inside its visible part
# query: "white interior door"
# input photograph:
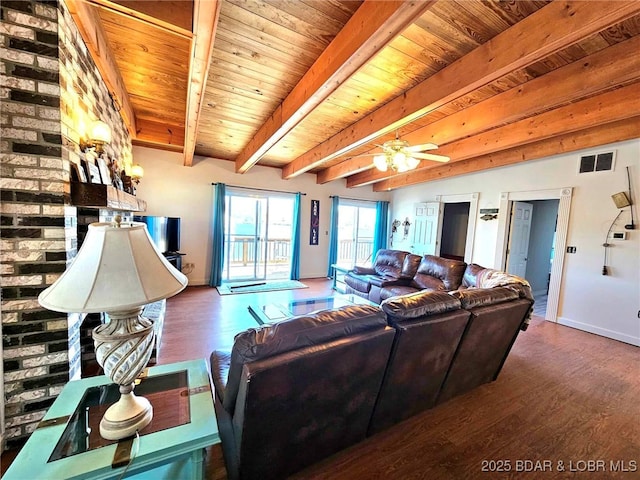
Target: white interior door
(427, 228)
(519, 238)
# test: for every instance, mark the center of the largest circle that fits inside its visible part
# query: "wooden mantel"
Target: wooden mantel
(104, 196)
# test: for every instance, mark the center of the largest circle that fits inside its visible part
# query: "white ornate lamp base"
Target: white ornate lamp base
(126, 416)
(123, 348)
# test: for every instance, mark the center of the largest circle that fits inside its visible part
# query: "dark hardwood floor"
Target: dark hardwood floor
(199, 320)
(566, 402)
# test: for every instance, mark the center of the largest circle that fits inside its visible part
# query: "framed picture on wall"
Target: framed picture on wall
(104, 171)
(94, 173)
(78, 173)
(314, 229)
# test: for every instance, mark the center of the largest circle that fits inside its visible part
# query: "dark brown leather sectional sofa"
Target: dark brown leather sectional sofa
(395, 272)
(292, 393)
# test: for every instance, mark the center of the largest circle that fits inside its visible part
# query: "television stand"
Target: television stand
(175, 259)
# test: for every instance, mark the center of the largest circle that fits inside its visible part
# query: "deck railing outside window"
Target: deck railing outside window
(242, 251)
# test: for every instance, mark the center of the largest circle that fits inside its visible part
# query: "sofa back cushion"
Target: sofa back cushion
(479, 297)
(389, 262)
(485, 345)
(418, 304)
(304, 331)
(298, 407)
(470, 277)
(410, 265)
(422, 352)
(437, 273)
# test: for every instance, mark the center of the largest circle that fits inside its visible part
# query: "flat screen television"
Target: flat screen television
(164, 231)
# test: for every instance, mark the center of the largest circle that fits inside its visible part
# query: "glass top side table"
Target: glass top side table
(67, 443)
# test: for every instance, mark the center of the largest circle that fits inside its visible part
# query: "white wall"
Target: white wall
(606, 305)
(170, 189)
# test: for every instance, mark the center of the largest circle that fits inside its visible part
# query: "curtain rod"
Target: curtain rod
(259, 189)
(357, 199)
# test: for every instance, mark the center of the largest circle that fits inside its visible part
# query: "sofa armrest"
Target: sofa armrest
(363, 270)
(388, 281)
(220, 364)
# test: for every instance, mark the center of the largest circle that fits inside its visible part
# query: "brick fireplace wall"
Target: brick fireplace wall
(51, 90)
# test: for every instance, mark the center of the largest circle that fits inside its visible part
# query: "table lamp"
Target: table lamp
(118, 270)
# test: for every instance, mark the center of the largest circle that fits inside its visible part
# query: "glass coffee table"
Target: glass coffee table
(276, 312)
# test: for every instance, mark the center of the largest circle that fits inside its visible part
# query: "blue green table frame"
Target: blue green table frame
(168, 454)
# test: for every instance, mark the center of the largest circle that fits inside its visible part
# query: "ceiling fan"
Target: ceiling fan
(399, 156)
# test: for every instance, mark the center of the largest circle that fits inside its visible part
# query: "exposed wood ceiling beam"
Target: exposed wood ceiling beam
(546, 31)
(88, 23)
(605, 108)
(205, 21)
(592, 137)
(373, 25)
(350, 166)
(603, 70)
(142, 17)
(159, 135)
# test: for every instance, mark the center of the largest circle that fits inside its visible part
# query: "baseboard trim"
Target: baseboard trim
(603, 332)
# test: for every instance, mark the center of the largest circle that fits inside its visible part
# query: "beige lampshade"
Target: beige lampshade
(117, 268)
(100, 132)
(137, 171)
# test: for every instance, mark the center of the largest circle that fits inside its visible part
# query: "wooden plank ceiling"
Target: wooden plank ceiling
(307, 85)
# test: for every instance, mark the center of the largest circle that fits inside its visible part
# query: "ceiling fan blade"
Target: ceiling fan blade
(430, 156)
(365, 155)
(424, 146)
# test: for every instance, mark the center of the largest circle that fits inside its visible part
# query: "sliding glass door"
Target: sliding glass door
(356, 227)
(258, 229)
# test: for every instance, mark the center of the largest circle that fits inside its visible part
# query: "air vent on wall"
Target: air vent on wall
(599, 162)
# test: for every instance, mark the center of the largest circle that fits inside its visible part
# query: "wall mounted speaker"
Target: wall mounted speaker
(621, 199)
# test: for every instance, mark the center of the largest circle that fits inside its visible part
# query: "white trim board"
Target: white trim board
(564, 207)
(604, 332)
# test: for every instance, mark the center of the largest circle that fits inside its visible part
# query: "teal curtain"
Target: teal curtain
(217, 255)
(295, 240)
(333, 235)
(380, 235)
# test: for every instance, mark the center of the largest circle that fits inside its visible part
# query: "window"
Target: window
(356, 228)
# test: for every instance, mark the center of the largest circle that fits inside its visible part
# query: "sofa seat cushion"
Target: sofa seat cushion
(220, 362)
(298, 332)
(388, 280)
(396, 290)
(437, 273)
(480, 297)
(419, 304)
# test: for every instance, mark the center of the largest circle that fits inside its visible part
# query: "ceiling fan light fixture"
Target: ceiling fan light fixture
(380, 161)
(401, 157)
(412, 163)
